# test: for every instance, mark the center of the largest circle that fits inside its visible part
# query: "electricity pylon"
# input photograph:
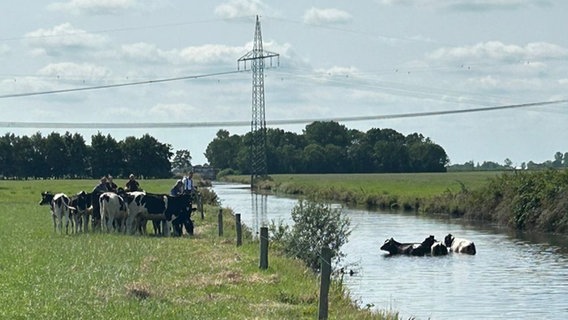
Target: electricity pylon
(258, 122)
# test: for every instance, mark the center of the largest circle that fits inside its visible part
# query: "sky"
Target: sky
(406, 65)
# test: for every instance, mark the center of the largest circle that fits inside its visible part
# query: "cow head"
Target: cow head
(428, 242)
(46, 198)
(448, 240)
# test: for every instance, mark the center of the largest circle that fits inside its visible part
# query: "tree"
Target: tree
(76, 150)
(390, 157)
(106, 156)
(324, 133)
(156, 158)
(6, 155)
(508, 163)
(221, 152)
(56, 154)
(314, 159)
(558, 157)
(182, 161)
(427, 157)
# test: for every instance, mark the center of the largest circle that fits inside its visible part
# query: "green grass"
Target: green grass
(403, 190)
(411, 184)
(114, 276)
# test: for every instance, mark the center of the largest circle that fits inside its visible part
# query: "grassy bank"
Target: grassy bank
(114, 276)
(406, 191)
(522, 200)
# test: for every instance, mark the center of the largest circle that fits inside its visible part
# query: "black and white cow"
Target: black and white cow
(175, 209)
(59, 206)
(82, 209)
(114, 211)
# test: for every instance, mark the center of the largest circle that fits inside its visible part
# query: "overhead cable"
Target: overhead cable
(126, 84)
(222, 124)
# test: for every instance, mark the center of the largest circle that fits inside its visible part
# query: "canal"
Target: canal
(513, 276)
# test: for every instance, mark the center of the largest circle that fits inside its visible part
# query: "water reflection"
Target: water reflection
(513, 276)
(259, 210)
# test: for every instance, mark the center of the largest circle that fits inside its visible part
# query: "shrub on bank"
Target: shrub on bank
(523, 200)
(316, 225)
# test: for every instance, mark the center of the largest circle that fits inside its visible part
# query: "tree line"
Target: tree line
(68, 156)
(328, 147)
(322, 147)
(560, 161)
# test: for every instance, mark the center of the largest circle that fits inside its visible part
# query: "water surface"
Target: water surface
(513, 276)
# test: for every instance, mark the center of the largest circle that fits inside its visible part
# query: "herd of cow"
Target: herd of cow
(126, 212)
(430, 246)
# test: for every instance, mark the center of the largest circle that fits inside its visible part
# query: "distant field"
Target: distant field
(401, 190)
(409, 184)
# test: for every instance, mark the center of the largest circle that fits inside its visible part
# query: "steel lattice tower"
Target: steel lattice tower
(258, 123)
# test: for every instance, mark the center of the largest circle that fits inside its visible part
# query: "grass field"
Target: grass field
(410, 184)
(404, 190)
(44, 275)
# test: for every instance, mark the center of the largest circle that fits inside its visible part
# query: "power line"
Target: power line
(27, 94)
(222, 124)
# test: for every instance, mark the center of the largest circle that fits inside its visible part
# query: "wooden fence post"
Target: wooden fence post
(239, 229)
(263, 248)
(200, 206)
(220, 222)
(325, 281)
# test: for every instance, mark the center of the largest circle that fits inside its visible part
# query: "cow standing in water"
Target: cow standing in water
(459, 245)
(414, 249)
(59, 206)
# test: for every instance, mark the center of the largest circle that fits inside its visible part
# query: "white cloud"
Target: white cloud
(93, 7)
(240, 8)
(210, 54)
(63, 38)
(496, 50)
(337, 71)
(207, 54)
(146, 53)
(75, 71)
(326, 16)
(180, 111)
(470, 5)
(4, 49)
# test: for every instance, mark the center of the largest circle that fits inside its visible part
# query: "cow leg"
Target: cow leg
(189, 227)
(110, 224)
(59, 222)
(66, 216)
(76, 221)
(54, 221)
(167, 227)
(156, 224)
(85, 222)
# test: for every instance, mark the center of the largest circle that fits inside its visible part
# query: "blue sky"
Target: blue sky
(338, 60)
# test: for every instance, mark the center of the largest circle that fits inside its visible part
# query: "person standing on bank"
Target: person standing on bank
(187, 180)
(132, 184)
(111, 186)
(177, 188)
